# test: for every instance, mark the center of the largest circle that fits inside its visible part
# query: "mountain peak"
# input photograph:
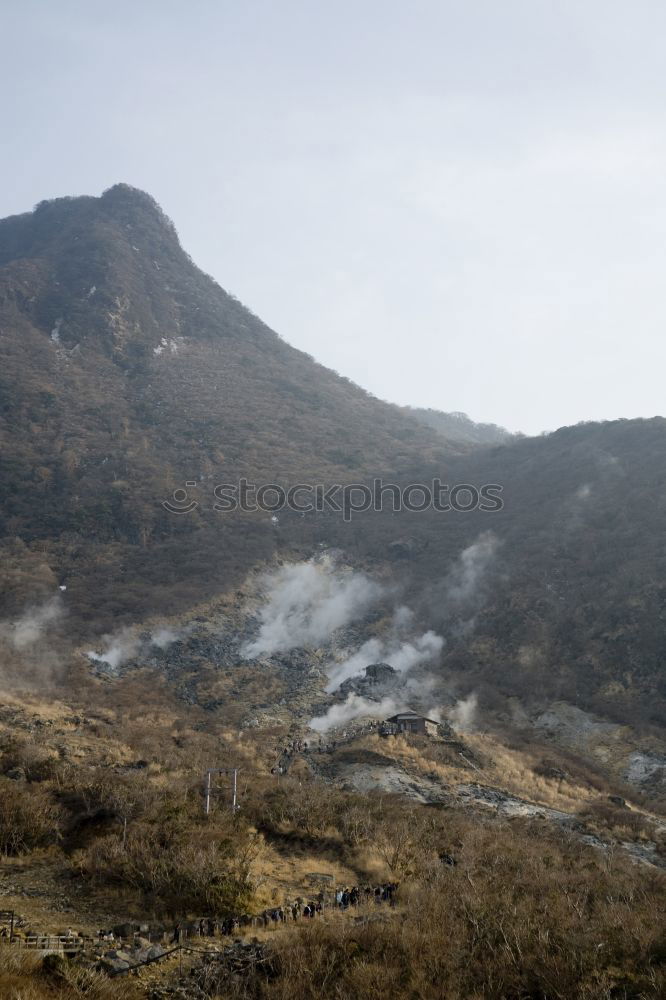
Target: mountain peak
(57, 223)
(123, 201)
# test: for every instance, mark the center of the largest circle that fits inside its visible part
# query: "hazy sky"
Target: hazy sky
(456, 204)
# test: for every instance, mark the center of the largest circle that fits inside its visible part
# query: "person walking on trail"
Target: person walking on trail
(177, 934)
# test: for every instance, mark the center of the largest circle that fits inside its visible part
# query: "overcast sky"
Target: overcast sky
(458, 204)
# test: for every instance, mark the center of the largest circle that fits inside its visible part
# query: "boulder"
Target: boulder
(377, 680)
(113, 964)
(117, 955)
(125, 930)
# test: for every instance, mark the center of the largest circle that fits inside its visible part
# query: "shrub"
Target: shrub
(181, 862)
(26, 977)
(29, 818)
(520, 915)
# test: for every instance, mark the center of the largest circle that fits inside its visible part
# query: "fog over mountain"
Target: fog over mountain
(459, 427)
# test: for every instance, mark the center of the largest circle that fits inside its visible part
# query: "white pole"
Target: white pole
(208, 785)
(207, 792)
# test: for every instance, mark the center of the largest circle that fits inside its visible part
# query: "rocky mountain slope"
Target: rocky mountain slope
(127, 373)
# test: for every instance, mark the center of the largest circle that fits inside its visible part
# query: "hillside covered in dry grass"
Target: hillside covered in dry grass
(107, 826)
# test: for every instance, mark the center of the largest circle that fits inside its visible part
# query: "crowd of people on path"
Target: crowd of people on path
(341, 899)
(233, 925)
(384, 893)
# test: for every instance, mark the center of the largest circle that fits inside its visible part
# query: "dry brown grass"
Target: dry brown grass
(552, 900)
(25, 977)
(514, 770)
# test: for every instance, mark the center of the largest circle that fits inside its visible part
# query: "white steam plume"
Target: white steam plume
(402, 618)
(165, 635)
(119, 648)
(463, 714)
(33, 624)
(306, 603)
(354, 707)
(414, 692)
(464, 579)
(125, 644)
(402, 656)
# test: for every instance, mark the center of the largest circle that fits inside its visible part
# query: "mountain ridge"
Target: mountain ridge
(127, 371)
(458, 426)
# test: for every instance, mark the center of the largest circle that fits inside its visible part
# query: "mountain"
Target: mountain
(126, 372)
(193, 702)
(561, 593)
(573, 604)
